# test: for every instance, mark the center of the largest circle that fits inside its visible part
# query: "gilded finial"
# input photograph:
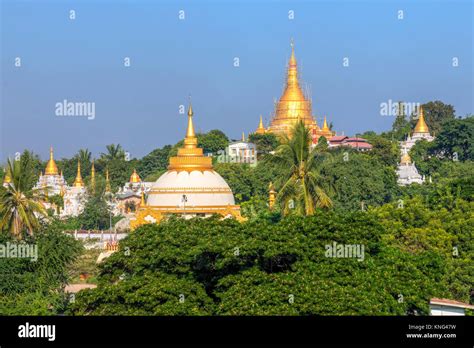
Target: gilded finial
(261, 128)
(325, 125)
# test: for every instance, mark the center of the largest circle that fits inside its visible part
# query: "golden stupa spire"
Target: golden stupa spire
(292, 74)
(261, 128)
(107, 181)
(51, 167)
(93, 176)
(243, 137)
(325, 125)
(190, 141)
(78, 181)
(190, 157)
(421, 126)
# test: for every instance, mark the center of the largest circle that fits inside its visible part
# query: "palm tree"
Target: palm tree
(301, 184)
(84, 155)
(20, 206)
(113, 152)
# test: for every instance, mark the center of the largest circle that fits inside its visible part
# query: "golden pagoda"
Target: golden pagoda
(261, 128)
(51, 167)
(293, 105)
(421, 126)
(78, 181)
(134, 178)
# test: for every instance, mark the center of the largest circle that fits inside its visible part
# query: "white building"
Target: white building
(242, 152)
(445, 307)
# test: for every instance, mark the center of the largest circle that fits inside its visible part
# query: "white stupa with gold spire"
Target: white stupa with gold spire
(421, 131)
(407, 172)
(189, 188)
(74, 196)
(52, 182)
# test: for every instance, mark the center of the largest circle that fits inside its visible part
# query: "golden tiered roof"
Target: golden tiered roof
(78, 181)
(134, 178)
(51, 167)
(293, 105)
(261, 128)
(190, 157)
(421, 126)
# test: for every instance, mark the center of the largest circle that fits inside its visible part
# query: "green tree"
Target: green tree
(265, 142)
(19, 204)
(456, 137)
(96, 214)
(300, 181)
(155, 162)
(114, 152)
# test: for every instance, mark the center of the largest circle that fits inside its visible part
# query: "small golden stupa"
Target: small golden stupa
(421, 126)
(78, 181)
(51, 167)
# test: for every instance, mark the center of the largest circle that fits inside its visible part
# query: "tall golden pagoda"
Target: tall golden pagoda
(51, 167)
(421, 126)
(78, 181)
(293, 105)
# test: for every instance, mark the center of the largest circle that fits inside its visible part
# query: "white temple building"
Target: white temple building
(407, 172)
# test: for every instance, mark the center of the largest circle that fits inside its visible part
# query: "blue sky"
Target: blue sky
(81, 60)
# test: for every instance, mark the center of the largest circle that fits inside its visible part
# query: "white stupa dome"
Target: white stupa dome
(200, 188)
